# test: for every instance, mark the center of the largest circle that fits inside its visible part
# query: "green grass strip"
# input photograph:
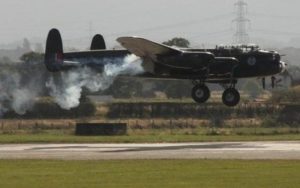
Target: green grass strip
(149, 174)
(61, 138)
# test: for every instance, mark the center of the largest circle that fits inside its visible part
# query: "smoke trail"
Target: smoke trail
(19, 89)
(21, 84)
(66, 87)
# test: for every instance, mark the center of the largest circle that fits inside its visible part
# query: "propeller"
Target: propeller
(273, 81)
(263, 83)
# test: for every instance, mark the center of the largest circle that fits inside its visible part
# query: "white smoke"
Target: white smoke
(21, 85)
(132, 65)
(17, 92)
(66, 88)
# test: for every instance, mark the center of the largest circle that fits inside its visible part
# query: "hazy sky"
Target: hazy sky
(201, 21)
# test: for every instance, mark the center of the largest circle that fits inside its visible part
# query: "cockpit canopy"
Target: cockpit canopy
(243, 48)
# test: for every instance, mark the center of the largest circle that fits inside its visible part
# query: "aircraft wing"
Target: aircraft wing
(145, 48)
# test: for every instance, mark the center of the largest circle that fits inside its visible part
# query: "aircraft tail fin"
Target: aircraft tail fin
(98, 43)
(54, 55)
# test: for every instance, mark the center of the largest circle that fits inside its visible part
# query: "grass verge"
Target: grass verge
(149, 173)
(157, 138)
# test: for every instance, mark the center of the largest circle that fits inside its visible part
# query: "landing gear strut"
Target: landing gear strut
(231, 97)
(200, 93)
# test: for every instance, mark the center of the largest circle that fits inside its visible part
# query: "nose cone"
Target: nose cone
(282, 66)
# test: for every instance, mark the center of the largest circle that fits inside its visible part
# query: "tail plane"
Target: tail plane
(55, 58)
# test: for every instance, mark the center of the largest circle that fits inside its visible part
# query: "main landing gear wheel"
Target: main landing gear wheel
(231, 97)
(200, 93)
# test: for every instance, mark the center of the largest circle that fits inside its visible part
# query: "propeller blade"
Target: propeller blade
(263, 83)
(273, 79)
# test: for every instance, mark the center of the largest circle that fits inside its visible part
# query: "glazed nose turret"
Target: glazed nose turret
(282, 66)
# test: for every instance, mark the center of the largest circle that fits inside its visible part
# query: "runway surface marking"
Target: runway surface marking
(211, 150)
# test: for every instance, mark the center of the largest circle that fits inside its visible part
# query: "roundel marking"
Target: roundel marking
(251, 61)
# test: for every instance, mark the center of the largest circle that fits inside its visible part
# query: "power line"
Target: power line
(172, 26)
(276, 32)
(272, 16)
(211, 34)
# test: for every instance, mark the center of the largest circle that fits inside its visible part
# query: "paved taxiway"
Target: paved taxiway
(212, 150)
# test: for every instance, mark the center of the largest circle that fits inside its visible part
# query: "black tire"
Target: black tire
(231, 97)
(200, 93)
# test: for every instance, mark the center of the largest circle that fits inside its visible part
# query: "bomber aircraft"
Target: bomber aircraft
(224, 65)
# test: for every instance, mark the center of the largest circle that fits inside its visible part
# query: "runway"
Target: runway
(211, 150)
